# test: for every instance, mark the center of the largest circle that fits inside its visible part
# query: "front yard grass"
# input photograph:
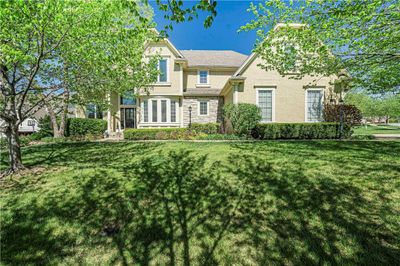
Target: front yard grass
(180, 203)
(376, 129)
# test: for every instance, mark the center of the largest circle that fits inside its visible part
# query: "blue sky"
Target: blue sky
(222, 35)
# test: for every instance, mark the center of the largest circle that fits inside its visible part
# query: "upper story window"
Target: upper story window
(314, 99)
(291, 58)
(163, 68)
(203, 77)
(128, 98)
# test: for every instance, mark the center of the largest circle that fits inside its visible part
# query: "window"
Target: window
(203, 76)
(163, 111)
(173, 111)
(203, 107)
(145, 111)
(154, 110)
(265, 103)
(163, 68)
(291, 57)
(93, 111)
(31, 123)
(314, 105)
(128, 98)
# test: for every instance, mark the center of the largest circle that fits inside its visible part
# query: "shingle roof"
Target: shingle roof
(213, 58)
(202, 92)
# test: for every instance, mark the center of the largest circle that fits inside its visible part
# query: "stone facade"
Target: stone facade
(214, 113)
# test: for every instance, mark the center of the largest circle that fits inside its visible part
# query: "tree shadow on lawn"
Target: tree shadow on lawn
(316, 219)
(84, 154)
(177, 209)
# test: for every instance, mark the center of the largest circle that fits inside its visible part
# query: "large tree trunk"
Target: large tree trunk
(64, 112)
(58, 127)
(53, 119)
(14, 148)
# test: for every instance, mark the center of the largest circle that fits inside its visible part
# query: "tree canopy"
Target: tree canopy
(359, 36)
(374, 106)
(79, 48)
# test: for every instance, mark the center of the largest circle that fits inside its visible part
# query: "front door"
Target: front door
(128, 117)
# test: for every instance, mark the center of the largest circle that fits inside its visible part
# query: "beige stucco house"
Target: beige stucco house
(203, 81)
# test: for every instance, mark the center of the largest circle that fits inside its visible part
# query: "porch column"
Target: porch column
(109, 122)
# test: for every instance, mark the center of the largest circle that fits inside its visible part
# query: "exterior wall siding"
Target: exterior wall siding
(217, 78)
(289, 93)
(214, 114)
(173, 86)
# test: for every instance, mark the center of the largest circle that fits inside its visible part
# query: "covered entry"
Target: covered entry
(128, 117)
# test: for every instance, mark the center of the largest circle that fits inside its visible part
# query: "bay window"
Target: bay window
(154, 110)
(161, 110)
(173, 111)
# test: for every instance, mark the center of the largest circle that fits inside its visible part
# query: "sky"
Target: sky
(222, 35)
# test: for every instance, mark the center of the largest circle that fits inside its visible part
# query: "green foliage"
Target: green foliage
(243, 117)
(351, 115)
(221, 137)
(208, 128)
(176, 11)
(361, 36)
(85, 126)
(381, 129)
(158, 134)
(386, 105)
(300, 131)
(46, 127)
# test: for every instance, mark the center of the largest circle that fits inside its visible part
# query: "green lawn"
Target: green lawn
(376, 129)
(263, 203)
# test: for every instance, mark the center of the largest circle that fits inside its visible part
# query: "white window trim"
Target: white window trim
(198, 107)
(306, 102)
(267, 88)
(159, 114)
(207, 84)
(158, 68)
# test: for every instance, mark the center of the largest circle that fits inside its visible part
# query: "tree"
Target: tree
(243, 117)
(51, 50)
(382, 106)
(360, 36)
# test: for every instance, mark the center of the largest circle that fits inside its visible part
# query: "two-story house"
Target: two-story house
(193, 86)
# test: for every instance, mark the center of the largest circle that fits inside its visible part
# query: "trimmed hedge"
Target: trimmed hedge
(158, 134)
(300, 131)
(208, 128)
(85, 126)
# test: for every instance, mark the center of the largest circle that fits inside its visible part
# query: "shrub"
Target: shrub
(300, 131)
(46, 128)
(208, 128)
(158, 134)
(351, 114)
(362, 137)
(85, 126)
(244, 117)
(220, 137)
